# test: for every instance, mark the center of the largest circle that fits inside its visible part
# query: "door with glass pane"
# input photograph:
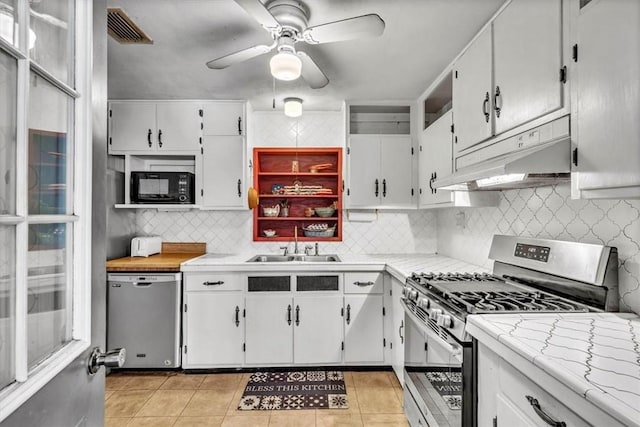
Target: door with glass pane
(47, 327)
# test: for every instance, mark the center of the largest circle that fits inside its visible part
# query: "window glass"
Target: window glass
(52, 23)
(7, 304)
(8, 18)
(8, 88)
(49, 150)
(48, 290)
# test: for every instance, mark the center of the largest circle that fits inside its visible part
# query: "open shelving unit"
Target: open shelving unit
(273, 167)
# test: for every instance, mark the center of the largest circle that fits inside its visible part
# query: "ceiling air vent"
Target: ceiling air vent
(122, 28)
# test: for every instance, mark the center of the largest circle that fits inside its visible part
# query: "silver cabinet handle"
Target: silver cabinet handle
(543, 415)
(218, 283)
(363, 284)
(111, 359)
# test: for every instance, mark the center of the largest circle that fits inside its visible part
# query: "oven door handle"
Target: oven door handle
(454, 351)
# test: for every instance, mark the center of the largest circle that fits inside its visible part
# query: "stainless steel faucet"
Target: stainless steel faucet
(286, 250)
(295, 238)
(317, 252)
(307, 249)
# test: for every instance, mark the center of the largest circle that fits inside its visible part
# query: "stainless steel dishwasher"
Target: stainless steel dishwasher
(143, 316)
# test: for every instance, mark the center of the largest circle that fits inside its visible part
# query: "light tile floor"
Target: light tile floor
(176, 399)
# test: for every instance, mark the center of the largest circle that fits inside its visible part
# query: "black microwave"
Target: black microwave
(162, 187)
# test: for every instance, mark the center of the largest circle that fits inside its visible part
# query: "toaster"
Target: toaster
(146, 245)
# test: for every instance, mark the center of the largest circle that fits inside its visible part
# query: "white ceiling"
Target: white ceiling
(420, 39)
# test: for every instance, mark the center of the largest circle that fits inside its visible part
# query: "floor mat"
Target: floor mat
(294, 390)
(448, 384)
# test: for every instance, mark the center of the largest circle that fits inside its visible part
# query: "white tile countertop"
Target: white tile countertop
(399, 265)
(597, 355)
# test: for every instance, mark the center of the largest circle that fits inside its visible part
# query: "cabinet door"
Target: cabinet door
(363, 329)
(365, 185)
(213, 329)
(178, 126)
(317, 332)
(435, 160)
(608, 134)
(397, 331)
(223, 118)
(396, 170)
(132, 126)
(527, 61)
(269, 338)
(222, 168)
(472, 89)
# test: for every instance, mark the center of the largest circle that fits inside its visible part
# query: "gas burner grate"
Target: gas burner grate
(490, 301)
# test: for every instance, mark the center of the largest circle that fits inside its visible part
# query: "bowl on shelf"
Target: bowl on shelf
(271, 210)
(319, 230)
(325, 212)
(269, 232)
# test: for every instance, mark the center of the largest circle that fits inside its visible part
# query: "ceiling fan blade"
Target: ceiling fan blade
(260, 13)
(311, 73)
(243, 55)
(347, 29)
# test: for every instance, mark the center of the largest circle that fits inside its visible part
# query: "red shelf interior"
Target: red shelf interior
(273, 166)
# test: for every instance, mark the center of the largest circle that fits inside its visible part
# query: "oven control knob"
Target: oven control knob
(413, 295)
(424, 303)
(445, 320)
(434, 313)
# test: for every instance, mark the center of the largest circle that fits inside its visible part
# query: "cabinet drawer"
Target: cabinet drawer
(363, 283)
(514, 389)
(212, 282)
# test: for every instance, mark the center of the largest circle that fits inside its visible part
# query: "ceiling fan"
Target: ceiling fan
(286, 21)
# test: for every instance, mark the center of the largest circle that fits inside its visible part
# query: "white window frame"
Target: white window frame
(28, 383)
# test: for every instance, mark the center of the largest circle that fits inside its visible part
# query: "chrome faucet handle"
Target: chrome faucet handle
(316, 249)
(285, 249)
(307, 249)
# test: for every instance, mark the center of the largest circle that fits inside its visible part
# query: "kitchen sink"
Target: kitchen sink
(292, 258)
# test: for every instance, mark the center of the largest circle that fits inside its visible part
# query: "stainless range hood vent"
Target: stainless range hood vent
(516, 162)
(122, 28)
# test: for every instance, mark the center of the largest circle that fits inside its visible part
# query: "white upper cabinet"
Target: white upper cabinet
(380, 171)
(223, 118)
(512, 74)
(606, 117)
(527, 62)
(142, 127)
(472, 89)
(435, 160)
(222, 167)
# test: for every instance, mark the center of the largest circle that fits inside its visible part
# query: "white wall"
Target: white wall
(549, 212)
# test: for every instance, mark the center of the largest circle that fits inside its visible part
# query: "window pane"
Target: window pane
(8, 89)
(52, 24)
(48, 290)
(8, 18)
(7, 304)
(49, 151)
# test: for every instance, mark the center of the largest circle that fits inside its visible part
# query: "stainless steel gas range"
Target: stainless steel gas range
(528, 275)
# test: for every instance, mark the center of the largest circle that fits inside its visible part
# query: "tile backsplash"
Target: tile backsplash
(548, 212)
(231, 232)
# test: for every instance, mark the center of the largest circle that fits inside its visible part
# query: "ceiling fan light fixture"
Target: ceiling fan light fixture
(285, 65)
(292, 107)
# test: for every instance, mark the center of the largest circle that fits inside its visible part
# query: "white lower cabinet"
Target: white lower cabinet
(363, 329)
(395, 326)
(213, 329)
(269, 320)
(509, 397)
(317, 330)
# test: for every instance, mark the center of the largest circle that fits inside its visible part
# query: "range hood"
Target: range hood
(547, 161)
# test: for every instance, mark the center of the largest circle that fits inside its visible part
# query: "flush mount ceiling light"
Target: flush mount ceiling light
(292, 107)
(285, 65)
